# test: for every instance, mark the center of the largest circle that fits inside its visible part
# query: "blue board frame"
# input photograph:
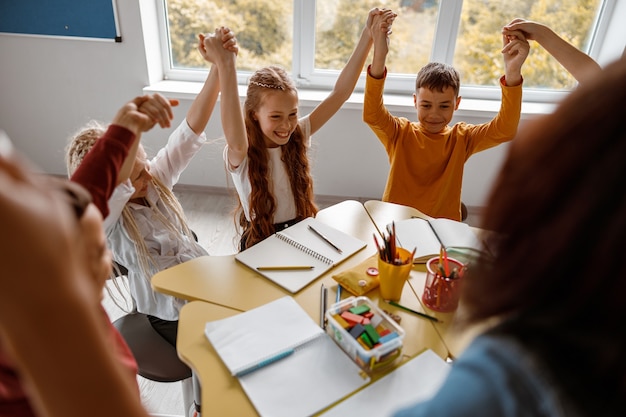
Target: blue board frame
(69, 18)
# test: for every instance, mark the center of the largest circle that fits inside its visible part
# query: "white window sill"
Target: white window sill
(480, 108)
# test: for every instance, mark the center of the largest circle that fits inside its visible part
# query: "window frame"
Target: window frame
(307, 78)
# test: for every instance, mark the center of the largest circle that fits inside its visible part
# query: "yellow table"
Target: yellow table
(222, 287)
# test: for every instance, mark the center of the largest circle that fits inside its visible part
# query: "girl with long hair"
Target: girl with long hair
(266, 151)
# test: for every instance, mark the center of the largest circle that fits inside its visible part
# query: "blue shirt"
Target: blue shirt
(495, 376)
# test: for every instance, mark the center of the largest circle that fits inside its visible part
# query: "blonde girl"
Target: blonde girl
(146, 228)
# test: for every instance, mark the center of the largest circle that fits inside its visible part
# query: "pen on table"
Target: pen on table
(264, 363)
(323, 295)
(426, 316)
(284, 267)
(338, 296)
(324, 238)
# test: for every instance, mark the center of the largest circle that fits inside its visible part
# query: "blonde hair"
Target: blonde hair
(79, 146)
(81, 143)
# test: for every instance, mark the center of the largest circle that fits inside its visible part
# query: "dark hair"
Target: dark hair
(437, 77)
(558, 209)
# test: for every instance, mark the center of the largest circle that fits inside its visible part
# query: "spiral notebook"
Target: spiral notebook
(286, 364)
(300, 254)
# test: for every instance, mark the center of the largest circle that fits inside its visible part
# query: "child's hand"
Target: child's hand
(142, 113)
(380, 29)
(515, 52)
(380, 20)
(218, 45)
(229, 42)
(523, 29)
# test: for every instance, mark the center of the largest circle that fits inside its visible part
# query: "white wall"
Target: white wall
(49, 87)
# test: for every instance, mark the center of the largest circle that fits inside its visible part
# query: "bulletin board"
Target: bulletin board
(90, 19)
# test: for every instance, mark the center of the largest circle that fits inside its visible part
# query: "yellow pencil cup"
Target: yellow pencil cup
(392, 276)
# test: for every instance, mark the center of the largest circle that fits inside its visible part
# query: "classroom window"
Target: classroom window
(314, 38)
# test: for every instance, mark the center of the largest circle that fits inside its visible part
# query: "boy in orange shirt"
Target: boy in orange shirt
(427, 157)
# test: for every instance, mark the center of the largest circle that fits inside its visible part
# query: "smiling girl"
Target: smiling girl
(266, 151)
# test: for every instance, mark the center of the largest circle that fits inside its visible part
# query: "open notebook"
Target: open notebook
(428, 235)
(300, 254)
(286, 363)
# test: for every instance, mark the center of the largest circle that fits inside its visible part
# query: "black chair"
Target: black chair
(156, 358)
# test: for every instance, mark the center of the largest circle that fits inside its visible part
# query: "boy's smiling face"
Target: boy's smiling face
(435, 109)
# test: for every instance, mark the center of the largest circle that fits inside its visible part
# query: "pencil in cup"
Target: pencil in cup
(441, 289)
(393, 276)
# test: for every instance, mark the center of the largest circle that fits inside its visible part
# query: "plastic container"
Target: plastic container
(381, 354)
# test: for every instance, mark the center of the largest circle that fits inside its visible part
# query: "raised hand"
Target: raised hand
(143, 112)
(515, 51)
(214, 46)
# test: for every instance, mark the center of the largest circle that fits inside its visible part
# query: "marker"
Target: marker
(265, 362)
(338, 296)
(325, 239)
(426, 316)
(284, 268)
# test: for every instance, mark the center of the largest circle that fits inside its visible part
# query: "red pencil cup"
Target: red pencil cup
(441, 292)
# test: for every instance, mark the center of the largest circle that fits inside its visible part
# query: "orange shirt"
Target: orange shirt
(426, 170)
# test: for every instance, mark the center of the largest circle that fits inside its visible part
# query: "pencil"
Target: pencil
(325, 239)
(425, 316)
(323, 301)
(284, 268)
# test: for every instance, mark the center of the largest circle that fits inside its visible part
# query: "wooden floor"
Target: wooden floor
(209, 212)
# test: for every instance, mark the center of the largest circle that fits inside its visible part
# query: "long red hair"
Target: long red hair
(294, 156)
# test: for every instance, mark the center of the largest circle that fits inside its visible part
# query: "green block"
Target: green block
(363, 308)
(372, 333)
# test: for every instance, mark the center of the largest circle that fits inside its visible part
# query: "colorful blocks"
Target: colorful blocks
(371, 338)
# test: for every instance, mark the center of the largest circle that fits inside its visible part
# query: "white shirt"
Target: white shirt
(279, 181)
(166, 248)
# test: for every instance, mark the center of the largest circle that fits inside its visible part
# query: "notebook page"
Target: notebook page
(417, 380)
(417, 233)
(304, 383)
(248, 338)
